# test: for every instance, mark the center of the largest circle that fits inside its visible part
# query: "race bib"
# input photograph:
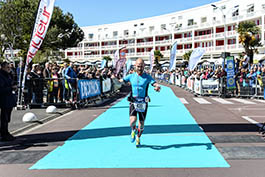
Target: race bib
(140, 107)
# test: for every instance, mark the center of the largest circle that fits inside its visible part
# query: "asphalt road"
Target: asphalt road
(229, 124)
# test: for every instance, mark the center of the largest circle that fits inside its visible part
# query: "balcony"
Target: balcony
(183, 40)
(92, 48)
(163, 42)
(145, 43)
(202, 37)
(109, 47)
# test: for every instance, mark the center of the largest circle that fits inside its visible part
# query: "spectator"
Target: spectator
(7, 100)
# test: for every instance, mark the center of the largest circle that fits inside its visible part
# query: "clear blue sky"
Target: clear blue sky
(97, 12)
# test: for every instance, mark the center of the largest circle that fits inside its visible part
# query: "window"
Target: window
(151, 28)
(90, 36)
(142, 24)
(180, 17)
(115, 33)
(203, 19)
(250, 8)
(126, 32)
(223, 7)
(135, 25)
(190, 22)
(235, 11)
(163, 26)
(263, 6)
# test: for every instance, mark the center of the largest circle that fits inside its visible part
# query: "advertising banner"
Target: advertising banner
(89, 88)
(195, 57)
(230, 73)
(172, 65)
(106, 85)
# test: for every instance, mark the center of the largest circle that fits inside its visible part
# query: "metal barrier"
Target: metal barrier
(39, 92)
(217, 87)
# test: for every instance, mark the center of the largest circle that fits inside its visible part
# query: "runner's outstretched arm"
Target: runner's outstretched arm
(157, 87)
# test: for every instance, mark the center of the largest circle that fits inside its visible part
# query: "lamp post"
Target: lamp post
(224, 17)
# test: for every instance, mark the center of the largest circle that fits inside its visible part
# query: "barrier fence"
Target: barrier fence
(67, 92)
(216, 86)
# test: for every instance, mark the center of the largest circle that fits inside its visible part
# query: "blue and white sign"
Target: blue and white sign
(230, 73)
(172, 65)
(195, 57)
(89, 88)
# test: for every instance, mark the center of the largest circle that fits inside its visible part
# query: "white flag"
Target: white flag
(195, 57)
(173, 53)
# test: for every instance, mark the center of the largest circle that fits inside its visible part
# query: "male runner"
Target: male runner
(139, 82)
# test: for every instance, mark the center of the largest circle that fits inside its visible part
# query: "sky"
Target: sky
(99, 12)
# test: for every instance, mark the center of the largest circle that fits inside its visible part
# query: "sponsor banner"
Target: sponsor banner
(190, 83)
(106, 85)
(172, 65)
(89, 88)
(178, 80)
(231, 84)
(121, 61)
(197, 86)
(210, 84)
(42, 22)
(195, 57)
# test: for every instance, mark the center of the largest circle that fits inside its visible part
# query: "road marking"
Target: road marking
(243, 101)
(220, 100)
(41, 125)
(244, 109)
(183, 100)
(202, 101)
(252, 121)
(261, 101)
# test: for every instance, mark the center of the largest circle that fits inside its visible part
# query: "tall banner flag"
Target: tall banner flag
(195, 57)
(128, 65)
(152, 59)
(231, 84)
(42, 22)
(172, 65)
(121, 61)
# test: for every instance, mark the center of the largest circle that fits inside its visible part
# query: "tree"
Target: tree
(17, 20)
(186, 56)
(158, 55)
(249, 34)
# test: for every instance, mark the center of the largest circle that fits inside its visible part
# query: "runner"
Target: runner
(138, 99)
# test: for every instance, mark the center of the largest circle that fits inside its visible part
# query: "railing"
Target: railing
(247, 87)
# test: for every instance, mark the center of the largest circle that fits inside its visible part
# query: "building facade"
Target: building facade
(212, 26)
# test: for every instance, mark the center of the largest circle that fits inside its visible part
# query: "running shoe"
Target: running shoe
(138, 142)
(133, 134)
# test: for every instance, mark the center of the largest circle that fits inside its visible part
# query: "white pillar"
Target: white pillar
(262, 30)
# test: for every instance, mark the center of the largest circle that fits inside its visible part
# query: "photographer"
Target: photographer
(7, 100)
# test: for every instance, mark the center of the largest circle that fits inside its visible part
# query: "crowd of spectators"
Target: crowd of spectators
(54, 83)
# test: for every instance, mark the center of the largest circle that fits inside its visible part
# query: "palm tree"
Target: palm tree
(249, 34)
(186, 56)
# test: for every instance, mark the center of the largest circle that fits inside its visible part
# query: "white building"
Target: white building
(197, 27)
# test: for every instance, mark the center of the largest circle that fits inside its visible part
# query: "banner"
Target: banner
(172, 65)
(121, 61)
(41, 25)
(106, 85)
(88, 88)
(42, 22)
(152, 59)
(195, 57)
(230, 72)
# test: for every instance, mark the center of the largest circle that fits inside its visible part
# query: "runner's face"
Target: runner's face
(139, 67)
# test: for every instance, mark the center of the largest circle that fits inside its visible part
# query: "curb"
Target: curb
(44, 120)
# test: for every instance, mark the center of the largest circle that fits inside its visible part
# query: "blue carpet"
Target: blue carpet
(171, 139)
